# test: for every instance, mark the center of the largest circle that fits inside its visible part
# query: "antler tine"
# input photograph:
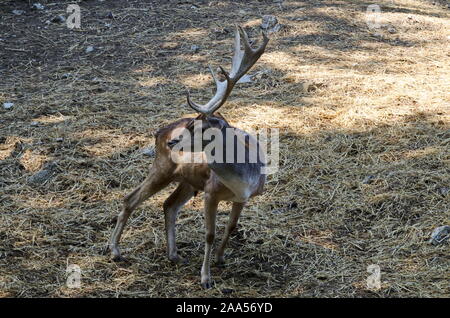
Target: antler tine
(242, 61)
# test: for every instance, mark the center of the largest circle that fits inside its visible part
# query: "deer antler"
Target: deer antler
(242, 61)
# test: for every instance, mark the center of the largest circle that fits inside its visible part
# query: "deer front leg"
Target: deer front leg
(152, 184)
(232, 222)
(210, 223)
(172, 206)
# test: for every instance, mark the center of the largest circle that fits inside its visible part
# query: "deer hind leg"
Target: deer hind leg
(211, 204)
(231, 226)
(172, 206)
(154, 182)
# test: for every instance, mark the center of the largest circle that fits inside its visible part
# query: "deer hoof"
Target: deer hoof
(207, 285)
(178, 260)
(115, 254)
(119, 259)
(220, 261)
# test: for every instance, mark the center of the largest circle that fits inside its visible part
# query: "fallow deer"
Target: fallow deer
(221, 181)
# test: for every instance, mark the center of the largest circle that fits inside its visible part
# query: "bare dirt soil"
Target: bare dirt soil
(364, 120)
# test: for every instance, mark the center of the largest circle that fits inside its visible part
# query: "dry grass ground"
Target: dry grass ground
(364, 164)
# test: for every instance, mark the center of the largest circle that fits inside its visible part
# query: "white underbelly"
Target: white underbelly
(241, 190)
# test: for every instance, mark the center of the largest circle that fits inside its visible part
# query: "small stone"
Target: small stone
(150, 152)
(34, 124)
(392, 30)
(37, 6)
(440, 235)
(40, 177)
(43, 175)
(89, 49)
(444, 191)
(58, 19)
(18, 12)
(368, 179)
(8, 105)
(195, 48)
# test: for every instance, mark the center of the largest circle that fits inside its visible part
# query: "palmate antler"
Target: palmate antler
(242, 61)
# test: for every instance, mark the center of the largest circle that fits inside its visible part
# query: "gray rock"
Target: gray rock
(195, 48)
(440, 235)
(59, 19)
(368, 179)
(18, 12)
(43, 175)
(40, 177)
(444, 191)
(8, 105)
(150, 151)
(37, 6)
(392, 30)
